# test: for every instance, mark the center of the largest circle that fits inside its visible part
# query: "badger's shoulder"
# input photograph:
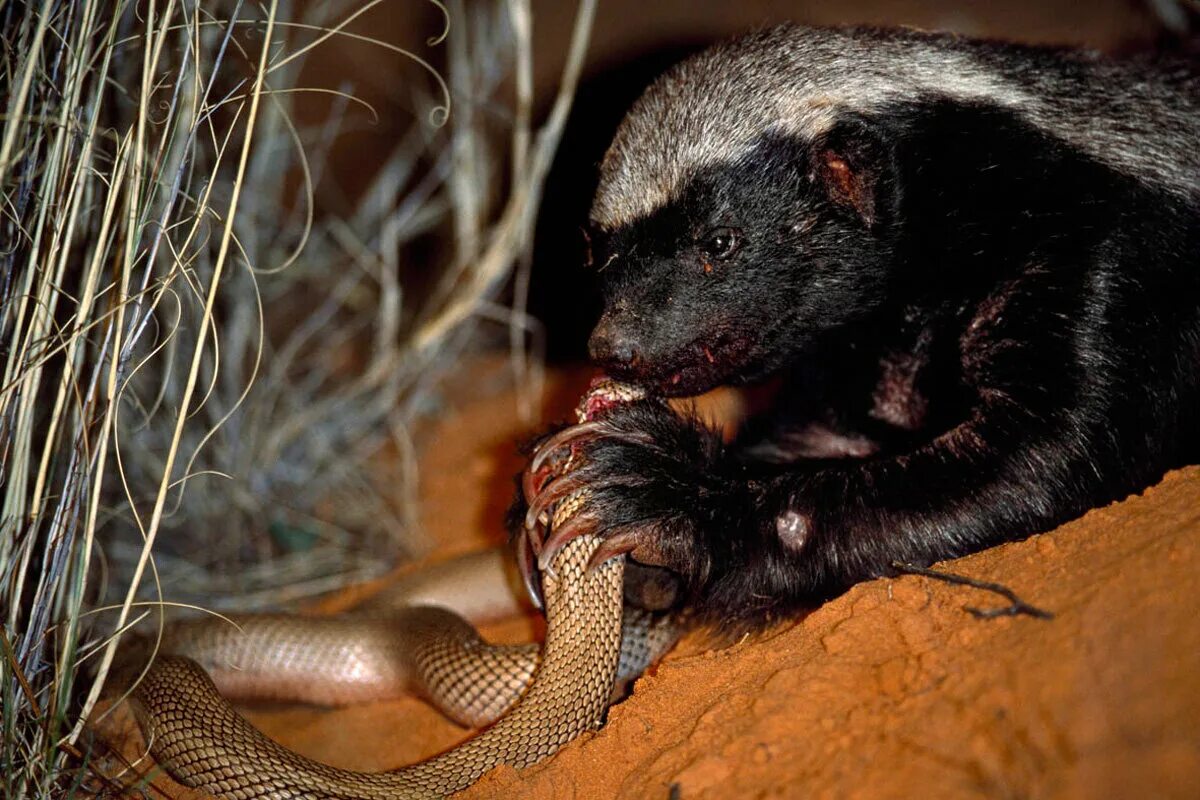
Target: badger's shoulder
(1140, 117)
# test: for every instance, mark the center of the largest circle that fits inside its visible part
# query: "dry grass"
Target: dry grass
(203, 382)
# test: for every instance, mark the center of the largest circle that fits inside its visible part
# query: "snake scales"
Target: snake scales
(537, 702)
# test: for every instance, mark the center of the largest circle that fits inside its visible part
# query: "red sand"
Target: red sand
(892, 690)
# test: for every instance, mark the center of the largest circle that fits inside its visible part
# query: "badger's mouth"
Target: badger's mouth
(695, 368)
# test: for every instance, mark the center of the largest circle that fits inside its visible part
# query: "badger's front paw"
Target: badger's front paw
(641, 478)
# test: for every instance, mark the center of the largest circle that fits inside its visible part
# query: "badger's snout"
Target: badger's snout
(614, 344)
(641, 350)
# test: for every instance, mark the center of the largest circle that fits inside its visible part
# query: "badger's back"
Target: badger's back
(1140, 117)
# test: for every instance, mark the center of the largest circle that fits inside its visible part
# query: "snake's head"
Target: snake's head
(605, 394)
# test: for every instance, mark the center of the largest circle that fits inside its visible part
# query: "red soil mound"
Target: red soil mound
(892, 690)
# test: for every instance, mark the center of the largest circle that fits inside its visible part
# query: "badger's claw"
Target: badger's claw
(551, 449)
(551, 493)
(537, 521)
(578, 525)
(527, 567)
(543, 452)
(618, 544)
(557, 469)
(533, 482)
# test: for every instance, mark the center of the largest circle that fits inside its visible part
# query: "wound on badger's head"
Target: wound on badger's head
(747, 261)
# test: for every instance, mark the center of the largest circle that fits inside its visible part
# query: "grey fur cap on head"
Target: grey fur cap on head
(1135, 116)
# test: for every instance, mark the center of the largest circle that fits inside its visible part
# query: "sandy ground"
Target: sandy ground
(891, 690)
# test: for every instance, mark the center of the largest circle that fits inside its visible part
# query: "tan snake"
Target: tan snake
(590, 639)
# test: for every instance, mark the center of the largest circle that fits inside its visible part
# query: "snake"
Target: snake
(532, 701)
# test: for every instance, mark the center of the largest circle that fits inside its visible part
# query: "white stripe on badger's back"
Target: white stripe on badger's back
(711, 108)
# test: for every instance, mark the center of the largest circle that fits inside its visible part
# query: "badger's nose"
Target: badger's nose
(611, 346)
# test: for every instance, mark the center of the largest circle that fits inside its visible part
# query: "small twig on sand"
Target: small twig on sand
(1017, 605)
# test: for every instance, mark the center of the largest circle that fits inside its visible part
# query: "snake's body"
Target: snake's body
(537, 702)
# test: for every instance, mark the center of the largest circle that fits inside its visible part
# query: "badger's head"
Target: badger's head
(743, 211)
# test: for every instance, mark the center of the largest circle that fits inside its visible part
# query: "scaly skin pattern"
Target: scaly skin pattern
(204, 743)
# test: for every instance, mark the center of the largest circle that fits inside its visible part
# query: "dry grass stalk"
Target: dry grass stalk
(180, 420)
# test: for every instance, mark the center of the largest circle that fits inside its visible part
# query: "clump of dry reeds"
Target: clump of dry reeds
(203, 379)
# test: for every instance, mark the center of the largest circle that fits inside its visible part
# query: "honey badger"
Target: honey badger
(971, 269)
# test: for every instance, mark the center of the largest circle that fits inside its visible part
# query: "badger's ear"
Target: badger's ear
(853, 161)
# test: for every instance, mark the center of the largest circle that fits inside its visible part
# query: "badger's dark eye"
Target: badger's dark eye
(721, 243)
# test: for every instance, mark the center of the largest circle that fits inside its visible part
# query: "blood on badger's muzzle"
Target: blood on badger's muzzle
(670, 353)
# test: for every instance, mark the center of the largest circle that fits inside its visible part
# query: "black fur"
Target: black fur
(980, 333)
